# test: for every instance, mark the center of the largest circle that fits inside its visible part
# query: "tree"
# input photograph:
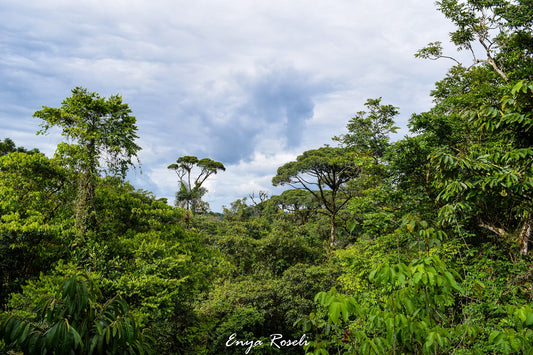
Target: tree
(239, 211)
(299, 203)
(492, 181)
(259, 206)
(324, 172)
(369, 131)
(188, 195)
(104, 131)
(479, 126)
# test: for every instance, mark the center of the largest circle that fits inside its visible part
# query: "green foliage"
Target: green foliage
(470, 162)
(303, 281)
(239, 211)
(8, 146)
(139, 248)
(148, 257)
(501, 27)
(104, 130)
(331, 167)
(416, 267)
(73, 321)
(251, 307)
(516, 335)
(35, 217)
(366, 255)
(256, 247)
(191, 198)
(32, 182)
(371, 213)
(433, 51)
(492, 179)
(513, 120)
(413, 313)
(272, 276)
(101, 127)
(421, 305)
(256, 306)
(324, 173)
(369, 131)
(300, 204)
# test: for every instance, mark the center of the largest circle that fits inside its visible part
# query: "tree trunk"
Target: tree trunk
(85, 213)
(525, 234)
(85, 218)
(332, 234)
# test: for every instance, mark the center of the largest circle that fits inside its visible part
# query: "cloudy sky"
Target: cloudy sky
(249, 83)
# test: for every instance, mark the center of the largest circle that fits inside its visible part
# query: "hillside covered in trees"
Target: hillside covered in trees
(417, 246)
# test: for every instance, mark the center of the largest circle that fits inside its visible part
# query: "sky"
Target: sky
(252, 84)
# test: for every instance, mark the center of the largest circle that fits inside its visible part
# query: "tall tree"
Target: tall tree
(480, 161)
(104, 132)
(369, 136)
(368, 131)
(324, 172)
(190, 192)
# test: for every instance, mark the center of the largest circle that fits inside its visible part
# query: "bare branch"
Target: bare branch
(499, 231)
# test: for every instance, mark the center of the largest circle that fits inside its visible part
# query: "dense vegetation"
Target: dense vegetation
(422, 245)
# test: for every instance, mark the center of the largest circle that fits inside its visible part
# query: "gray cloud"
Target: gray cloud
(236, 114)
(284, 97)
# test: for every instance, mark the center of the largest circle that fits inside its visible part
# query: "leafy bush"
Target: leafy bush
(74, 322)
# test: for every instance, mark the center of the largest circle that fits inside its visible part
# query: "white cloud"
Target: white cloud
(245, 178)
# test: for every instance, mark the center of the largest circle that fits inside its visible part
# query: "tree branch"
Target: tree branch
(499, 231)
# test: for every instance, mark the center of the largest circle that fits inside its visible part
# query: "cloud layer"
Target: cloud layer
(249, 83)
